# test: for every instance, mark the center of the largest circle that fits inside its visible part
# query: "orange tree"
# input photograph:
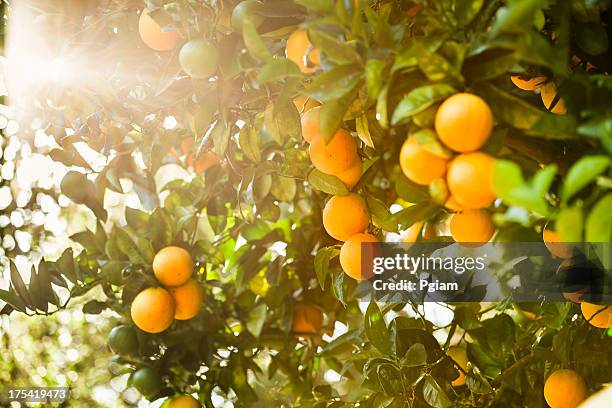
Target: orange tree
(310, 120)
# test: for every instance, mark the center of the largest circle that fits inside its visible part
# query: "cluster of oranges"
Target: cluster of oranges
(154, 309)
(463, 123)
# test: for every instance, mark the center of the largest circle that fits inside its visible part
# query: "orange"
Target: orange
(335, 156)
(459, 356)
(597, 315)
(464, 122)
(307, 319)
(204, 162)
(472, 226)
(184, 401)
(351, 255)
(303, 103)
(152, 310)
(527, 83)
(350, 177)
(555, 246)
(452, 204)
(411, 234)
(548, 93)
(345, 216)
(298, 46)
(188, 299)
(311, 124)
(414, 10)
(564, 389)
(152, 34)
(172, 266)
(470, 180)
(418, 164)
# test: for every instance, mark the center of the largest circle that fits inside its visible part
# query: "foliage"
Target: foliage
(253, 222)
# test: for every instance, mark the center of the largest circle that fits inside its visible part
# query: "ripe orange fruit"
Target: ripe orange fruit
(527, 83)
(311, 124)
(411, 234)
(564, 389)
(153, 310)
(298, 45)
(152, 34)
(597, 315)
(470, 179)
(335, 156)
(350, 177)
(555, 246)
(198, 58)
(345, 216)
(418, 164)
(205, 161)
(303, 103)
(351, 256)
(464, 122)
(172, 266)
(453, 205)
(188, 299)
(184, 401)
(472, 226)
(459, 356)
(307, 319)
(548, 93)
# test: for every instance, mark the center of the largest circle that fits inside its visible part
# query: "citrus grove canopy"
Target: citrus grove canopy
(267, 140)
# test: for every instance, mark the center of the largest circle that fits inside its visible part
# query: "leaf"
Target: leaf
(381, 216)
(326, 183)
(420, 99)
(335, 83)
(376, 329)
(418, 212)
(510, 186)
(19, 286)
(337, 51)
(429, 141)
(331, 117)
(434, 394)
(599, 221)
(321, 263)
(220, 136)
(465, 11)
(283, 188)
(249, 143)
(94, 307)
(409, 191)
(257, 318)
(277, 68)
(363, 131)
(511, 109)
(253, 41)
(137, 219)
(374, 71)
(477, 383)
(569, 225)
(583, 172)
(415, 356)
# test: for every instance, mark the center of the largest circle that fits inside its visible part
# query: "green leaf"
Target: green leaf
(376, 329)
(415, 356)
(363, 130)
(94, 307)
(477, 383)
(19, 286)
(569, 225)
(331, 117)
(434, 394)
(220, 136)
(277, 68)
(137, 219)
(409, 191)
(337, 51)
(249, 143)
(374, 71)
(420, 99)
(253, 41)
(599, 221)
(583, 172)
(418, 212)
(335, 83)
(321, 263)
(11, 298)
(511, 109)
(326, 183)
(465, 11)
(381, 216)
(283, 188)
(429, 141)
(510, 186)
(257, 318)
